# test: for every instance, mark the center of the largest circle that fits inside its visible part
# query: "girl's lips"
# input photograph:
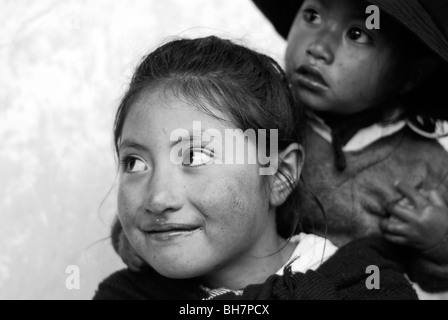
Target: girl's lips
(167, 227)
(311, 78)
(166, 232)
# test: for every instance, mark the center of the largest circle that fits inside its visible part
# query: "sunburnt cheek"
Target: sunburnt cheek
(245, 210)
(127, 205)
(245, 191)
(238, 201)
(220, 199)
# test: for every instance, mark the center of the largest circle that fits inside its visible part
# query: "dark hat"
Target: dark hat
(426, 19)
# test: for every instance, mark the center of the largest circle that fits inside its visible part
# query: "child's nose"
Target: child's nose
(322, 48)
(164, 192)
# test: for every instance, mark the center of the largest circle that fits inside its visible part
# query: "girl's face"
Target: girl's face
(337, 64)
(191, 219)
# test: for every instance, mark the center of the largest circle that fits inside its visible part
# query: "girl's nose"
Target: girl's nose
(164, 192)
(322, 48)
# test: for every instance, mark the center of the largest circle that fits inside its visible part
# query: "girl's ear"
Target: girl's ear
(290, 164)
(421, 69)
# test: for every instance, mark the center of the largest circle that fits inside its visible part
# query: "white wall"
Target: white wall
(63, 66)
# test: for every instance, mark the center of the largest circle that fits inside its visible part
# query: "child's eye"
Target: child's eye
(311, 16)
(197, 157)
(133, 164)
(359, 35)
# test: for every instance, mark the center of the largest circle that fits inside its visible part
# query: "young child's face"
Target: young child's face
(337, 64)
(193, 219)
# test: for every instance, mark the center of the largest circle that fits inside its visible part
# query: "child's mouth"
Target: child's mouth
(310, 78)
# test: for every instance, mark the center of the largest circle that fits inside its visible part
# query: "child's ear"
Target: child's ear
(290, 164)
(420, 70)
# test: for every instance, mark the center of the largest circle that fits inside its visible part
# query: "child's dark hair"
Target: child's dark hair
(249, 88)
(428, 98)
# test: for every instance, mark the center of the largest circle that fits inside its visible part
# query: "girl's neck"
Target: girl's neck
(253, 268)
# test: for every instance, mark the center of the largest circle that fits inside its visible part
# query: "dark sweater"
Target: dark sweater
(342, 277)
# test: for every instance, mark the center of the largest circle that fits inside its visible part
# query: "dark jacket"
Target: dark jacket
(341, 277)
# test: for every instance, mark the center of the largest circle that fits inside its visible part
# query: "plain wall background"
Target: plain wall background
(64, 64)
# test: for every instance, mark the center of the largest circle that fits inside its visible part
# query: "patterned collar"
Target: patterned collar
(366, 136)
(311, 251)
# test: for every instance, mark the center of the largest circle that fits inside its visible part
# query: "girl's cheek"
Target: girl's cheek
(122, 205)
(225, 199)
(127, 203)
(211, 198)
(227, 214)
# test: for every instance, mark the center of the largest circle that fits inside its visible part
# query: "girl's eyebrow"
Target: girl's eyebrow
(128, 144)
(189, 138)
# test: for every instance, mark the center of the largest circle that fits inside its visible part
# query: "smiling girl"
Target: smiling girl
(207, 230)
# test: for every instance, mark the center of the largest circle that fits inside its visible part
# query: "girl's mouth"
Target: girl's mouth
(166, 232)
(310, 78)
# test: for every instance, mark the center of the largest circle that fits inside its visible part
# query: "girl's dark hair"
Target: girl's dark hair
(249, 88)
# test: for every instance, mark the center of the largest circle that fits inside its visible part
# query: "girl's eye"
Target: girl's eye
(359, 35)
(311, 16)
(197, 157)
(133, 164)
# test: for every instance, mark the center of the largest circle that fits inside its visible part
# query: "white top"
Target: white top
(311, 251)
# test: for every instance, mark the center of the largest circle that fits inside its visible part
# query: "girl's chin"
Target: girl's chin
(182, 261)
(177, 271)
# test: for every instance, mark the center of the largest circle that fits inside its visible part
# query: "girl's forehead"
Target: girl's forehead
(163, 108)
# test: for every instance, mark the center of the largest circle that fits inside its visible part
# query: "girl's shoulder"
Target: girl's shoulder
(122, 285)
(146, 284)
